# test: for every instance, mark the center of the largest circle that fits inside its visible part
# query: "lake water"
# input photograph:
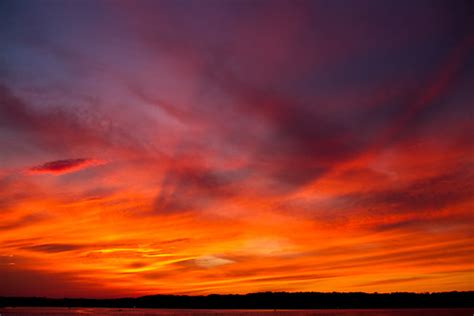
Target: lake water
(24, 311)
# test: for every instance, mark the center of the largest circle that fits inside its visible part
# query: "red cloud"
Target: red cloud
(63, 166)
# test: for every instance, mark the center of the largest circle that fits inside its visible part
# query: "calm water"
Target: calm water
(23, 311)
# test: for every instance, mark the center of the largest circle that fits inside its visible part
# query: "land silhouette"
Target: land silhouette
(262, 300)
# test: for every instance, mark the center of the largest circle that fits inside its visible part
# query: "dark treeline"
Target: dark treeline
(266, 300)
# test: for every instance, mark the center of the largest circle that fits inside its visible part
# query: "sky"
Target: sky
(235, 146)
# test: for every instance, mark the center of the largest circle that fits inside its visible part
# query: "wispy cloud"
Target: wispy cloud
(64, 166)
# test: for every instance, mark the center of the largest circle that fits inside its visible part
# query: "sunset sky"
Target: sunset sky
(221, 146)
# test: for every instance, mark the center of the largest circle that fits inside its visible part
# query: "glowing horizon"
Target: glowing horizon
(171, 147)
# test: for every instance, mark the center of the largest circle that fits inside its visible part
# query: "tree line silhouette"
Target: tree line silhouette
(263, 300)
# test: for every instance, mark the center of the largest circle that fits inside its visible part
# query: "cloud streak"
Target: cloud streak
(63, 166)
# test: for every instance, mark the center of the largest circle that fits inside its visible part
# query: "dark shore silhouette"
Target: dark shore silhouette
(264, 300)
